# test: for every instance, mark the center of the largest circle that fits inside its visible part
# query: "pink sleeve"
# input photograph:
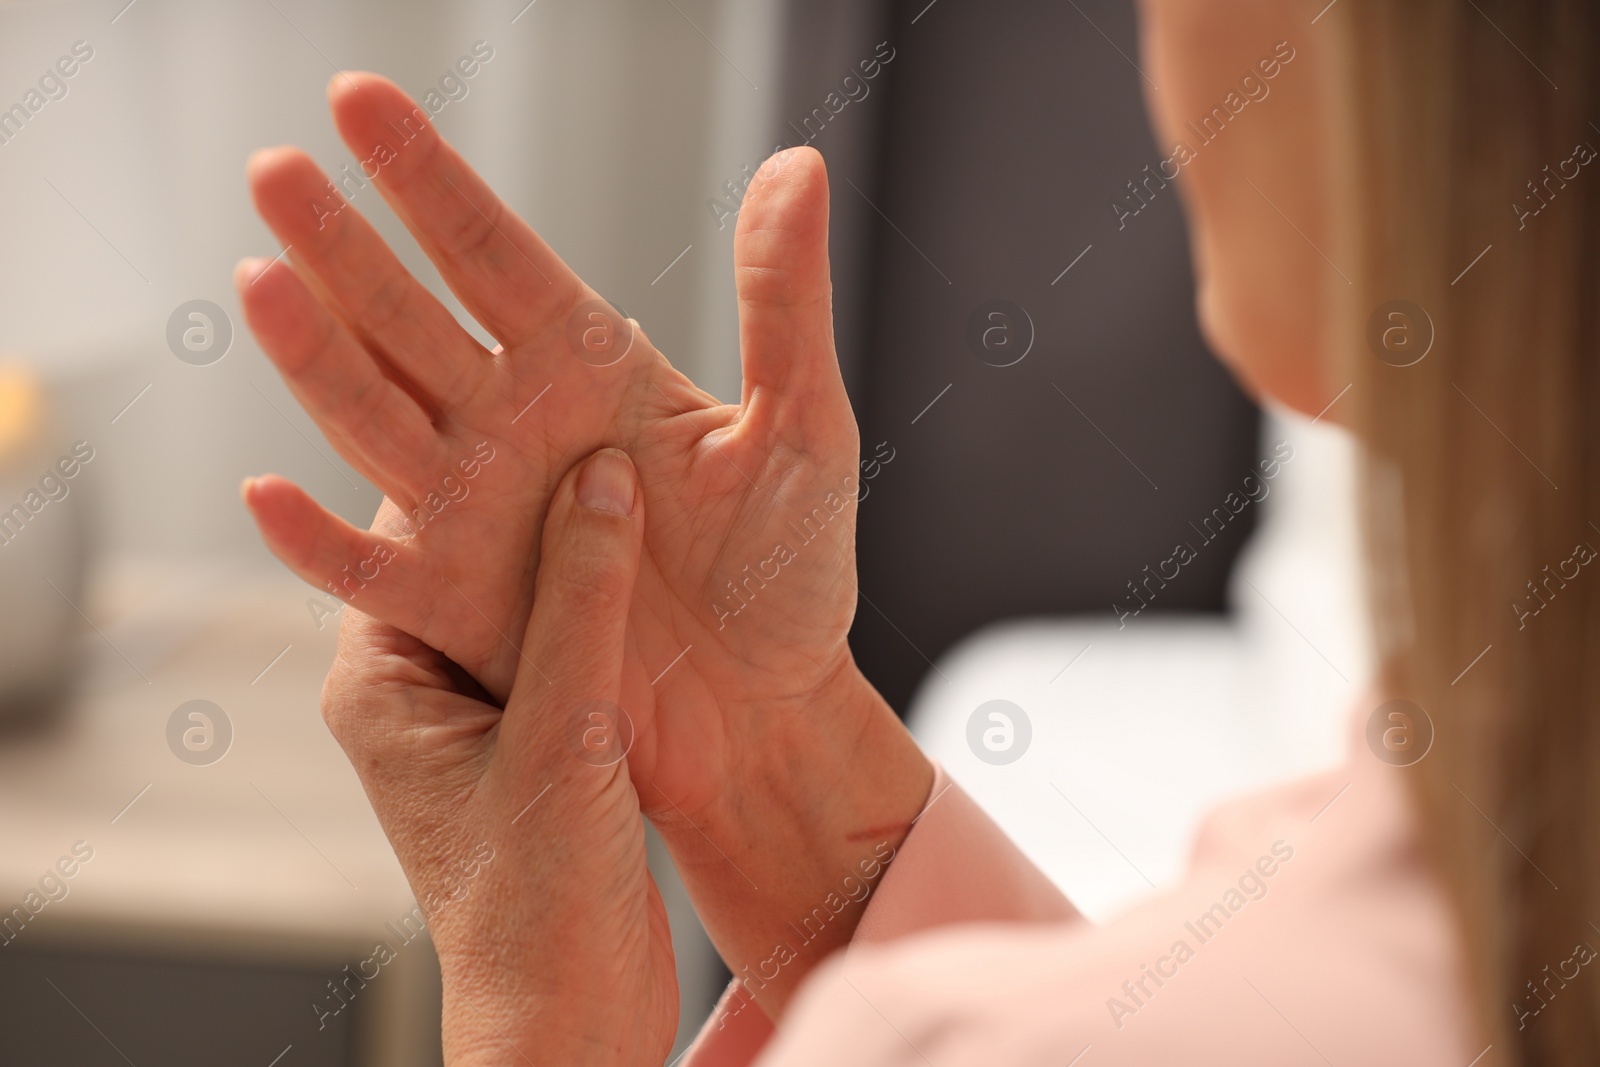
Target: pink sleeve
(955, 866)
(1309, 929)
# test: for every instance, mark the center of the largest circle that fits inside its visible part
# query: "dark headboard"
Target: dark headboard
(979, 168)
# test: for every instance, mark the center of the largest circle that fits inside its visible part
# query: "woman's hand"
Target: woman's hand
(556, 950)
(762, 755)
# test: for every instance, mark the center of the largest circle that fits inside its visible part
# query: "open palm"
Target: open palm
(749, 506)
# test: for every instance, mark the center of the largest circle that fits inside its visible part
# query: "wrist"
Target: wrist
(782, 864)
(834, 766)
(485, 1034)
(555, 1000)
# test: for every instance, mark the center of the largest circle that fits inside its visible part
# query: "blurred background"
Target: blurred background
(1028, 375)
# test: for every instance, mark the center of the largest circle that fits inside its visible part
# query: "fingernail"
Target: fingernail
(244, 489)
(606, 482)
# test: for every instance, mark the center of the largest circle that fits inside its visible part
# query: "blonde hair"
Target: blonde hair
(1470, 200)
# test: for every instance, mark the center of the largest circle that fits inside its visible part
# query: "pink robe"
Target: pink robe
(1308, 931)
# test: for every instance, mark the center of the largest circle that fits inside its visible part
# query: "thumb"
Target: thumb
(780, 255)
(571, 664)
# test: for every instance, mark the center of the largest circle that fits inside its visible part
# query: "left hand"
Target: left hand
(557, 944)
(764, 757)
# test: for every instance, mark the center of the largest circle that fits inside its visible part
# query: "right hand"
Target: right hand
(522, 837)
(762, 740)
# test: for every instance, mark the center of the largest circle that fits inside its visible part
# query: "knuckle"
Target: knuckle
(308, 347)
(597, 581)
(778, 287)
(347, 703)
(337, 711)
(472, 237)
(386, 302)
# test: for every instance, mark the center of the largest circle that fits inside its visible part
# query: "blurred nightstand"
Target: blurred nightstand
(221, 899)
